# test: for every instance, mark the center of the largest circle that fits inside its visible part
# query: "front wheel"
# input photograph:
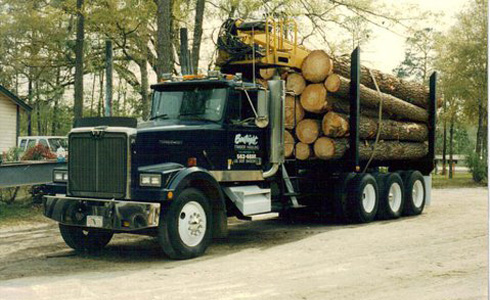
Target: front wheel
(185, 225)
(85, 240)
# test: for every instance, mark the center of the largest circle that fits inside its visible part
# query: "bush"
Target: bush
(478, 167)
(13, 154)
(38, 152)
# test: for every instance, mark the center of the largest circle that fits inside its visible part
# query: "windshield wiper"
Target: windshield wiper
(162, 116)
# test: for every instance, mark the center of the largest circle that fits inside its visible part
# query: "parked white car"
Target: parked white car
(54, 143)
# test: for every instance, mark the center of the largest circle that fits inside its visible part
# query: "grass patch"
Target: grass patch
(462, 179)
(19, 213)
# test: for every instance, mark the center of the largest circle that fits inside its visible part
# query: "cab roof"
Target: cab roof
(218, 83)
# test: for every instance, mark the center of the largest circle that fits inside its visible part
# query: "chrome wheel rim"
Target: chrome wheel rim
(418, 193)
(368, 198)
(192, 223)
(395, 197)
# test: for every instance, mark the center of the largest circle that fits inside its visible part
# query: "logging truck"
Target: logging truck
(286, 129)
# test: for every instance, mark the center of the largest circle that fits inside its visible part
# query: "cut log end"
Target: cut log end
(332, 83)
(303, 151)
(334, 125)
(314, 98)
(288, 144)
(267, 73)
(308, 130)
(316, 66)
(295, 83)
(294, 112)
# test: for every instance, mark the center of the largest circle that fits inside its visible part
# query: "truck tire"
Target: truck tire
(414, 186)
(340, 196)
(81, 239)
(391, 196)
(362, 198)
(185, 227)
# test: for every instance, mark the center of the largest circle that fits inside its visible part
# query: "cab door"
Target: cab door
(246, 142)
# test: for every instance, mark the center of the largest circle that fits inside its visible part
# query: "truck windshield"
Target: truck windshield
(199, 103)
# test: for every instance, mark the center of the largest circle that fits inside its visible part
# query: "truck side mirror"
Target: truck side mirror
(262, 119)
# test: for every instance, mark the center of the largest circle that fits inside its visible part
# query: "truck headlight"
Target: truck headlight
(154, 180)
(60, 176)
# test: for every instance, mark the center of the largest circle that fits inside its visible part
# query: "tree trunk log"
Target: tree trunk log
(409, 91)
(335, 125)
(385, 150)
(303, 151)
(332, 83)
(390, 104)
(267, 73)
(327, 148)
(293, 112)
(341, 105)
(368, 127)
(316, 66)
(308, 130)
(288, 144)
(295, 83)
(314, 98)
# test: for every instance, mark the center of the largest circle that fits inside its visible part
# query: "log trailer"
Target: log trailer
(214, 148)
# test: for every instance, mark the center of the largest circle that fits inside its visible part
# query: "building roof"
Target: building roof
(15, 99)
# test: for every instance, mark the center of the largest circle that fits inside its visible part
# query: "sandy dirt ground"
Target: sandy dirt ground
(442, 254)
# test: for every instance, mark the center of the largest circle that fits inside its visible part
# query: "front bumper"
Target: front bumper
(102, 213)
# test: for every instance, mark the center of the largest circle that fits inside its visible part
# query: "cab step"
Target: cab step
(262, 217)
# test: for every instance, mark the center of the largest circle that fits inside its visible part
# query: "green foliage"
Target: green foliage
(13, 154)
(461, 140)
(478, 167)
(419, 56)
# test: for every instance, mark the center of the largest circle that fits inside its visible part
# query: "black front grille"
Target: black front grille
(98, 165)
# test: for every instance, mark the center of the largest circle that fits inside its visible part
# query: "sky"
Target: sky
(386, 50)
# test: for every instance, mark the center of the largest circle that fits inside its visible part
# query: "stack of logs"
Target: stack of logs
(317, 112)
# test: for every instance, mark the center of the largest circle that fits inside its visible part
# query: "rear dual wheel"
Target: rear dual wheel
(362, 198)
(415, 192)
(391, 199)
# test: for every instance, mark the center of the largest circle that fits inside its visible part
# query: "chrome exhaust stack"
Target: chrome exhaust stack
(277, 98)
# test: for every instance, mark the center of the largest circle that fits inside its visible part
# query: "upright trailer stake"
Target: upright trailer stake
(355, 79)
(432, 122)
(184, 52)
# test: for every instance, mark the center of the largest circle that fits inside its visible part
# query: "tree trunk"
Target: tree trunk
(337, 125)
(30, 96)
(479, 131)
(342, 106)
(302, 151)
(314, 98)
(385, 150)
(326, 148)
(451, 138)
(293, 112)
(409, 91)
(100, 106)
(196, 42)
(295, 83)
(308, 130)
(108, 83)
(78, 103)
(165, 53)
(391, 104)
(144, 89)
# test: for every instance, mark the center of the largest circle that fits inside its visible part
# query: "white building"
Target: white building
(10, 109)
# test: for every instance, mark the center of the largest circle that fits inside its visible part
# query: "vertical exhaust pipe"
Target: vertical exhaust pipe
(277, 98)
